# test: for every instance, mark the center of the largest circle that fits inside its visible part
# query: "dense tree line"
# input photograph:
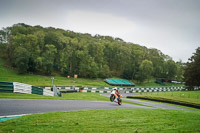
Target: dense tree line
(192, 71)
(48, 50)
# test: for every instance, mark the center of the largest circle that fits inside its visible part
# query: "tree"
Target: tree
(48, 58)
(157, 59)
(171, 69)
(192, 71)
(89, 68)
(93, 68)
(104, 72)
(21, 59)
(3, 40)
(180, 71)
(131, 67)
(145, 70)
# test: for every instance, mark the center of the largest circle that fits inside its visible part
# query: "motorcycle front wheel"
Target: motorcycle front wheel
(112, 98)
(120, 101)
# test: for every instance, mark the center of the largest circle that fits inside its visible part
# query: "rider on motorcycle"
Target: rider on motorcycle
(116, 93)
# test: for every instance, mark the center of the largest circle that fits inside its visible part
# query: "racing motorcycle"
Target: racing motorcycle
(119, 100)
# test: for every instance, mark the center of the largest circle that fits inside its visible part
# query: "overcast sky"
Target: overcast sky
(172, 26)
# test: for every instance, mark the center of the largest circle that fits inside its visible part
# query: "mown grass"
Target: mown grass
(113, 120)
(9, 74)
(190, 97)
(65, 96)
(152, 84)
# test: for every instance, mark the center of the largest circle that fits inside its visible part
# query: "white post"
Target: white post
(52, 81)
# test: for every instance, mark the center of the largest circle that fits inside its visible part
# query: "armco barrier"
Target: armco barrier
(48, 93)
(6, 87)
(37, 90)
(15, 87)
(22, 88)
(125, 90)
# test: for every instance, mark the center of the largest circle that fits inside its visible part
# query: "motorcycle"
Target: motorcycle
(119, 100)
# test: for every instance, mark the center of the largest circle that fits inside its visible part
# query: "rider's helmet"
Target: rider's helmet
(115, 88)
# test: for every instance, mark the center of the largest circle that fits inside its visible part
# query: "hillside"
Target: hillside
(50, 51)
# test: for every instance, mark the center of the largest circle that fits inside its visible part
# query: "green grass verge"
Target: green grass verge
(65, 96)
(181, 106)
(151, 84)
(180, 97)
(113, 120)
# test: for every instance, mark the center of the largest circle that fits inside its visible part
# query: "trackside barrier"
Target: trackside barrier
(16, 87)
(48, 93)
(22, 88)
(125, 90)
(37, 90)
(6, 87)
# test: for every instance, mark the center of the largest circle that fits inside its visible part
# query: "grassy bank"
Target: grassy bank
(9, 74)
(118, 120)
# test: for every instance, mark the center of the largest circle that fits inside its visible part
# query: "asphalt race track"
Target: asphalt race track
(152, 104)
(30, 106)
